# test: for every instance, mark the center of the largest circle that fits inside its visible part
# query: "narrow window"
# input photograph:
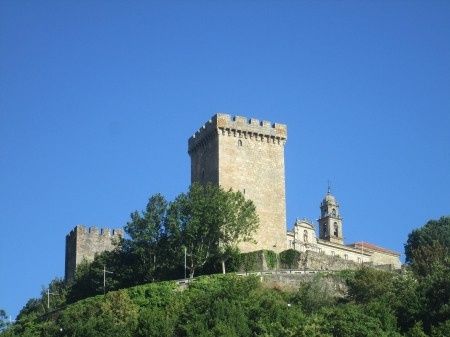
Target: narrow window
(336, 229)
(333, 212)
(203, 174)
(332, 253)
(239, 142)
(346, 256)
(305, 236)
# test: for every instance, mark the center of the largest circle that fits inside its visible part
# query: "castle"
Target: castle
(248, 155)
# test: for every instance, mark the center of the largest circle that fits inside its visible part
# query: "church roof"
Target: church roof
(365, 245)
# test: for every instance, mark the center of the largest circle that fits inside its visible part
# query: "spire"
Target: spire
(329, 188)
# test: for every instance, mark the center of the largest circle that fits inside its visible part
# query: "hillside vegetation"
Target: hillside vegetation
(414, 302)
(378, 304)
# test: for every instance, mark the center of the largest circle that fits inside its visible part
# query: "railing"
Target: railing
(186, 281)
(284, 272)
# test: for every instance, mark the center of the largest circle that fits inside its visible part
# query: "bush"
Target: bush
(315, 294)
(271, 259)
(254, 261)
(369, 284)
(111, 315)
(289, 259)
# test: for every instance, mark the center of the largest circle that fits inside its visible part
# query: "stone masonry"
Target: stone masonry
(84, 243)
(246, 155)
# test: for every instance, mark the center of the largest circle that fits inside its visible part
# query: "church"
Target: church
(331, 239)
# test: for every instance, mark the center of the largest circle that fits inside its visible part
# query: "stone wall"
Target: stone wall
(330, 283)
(84, 243)
(307, 261)
(310, 260)
(381, 258)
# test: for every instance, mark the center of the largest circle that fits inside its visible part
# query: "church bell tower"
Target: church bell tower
(330, 222)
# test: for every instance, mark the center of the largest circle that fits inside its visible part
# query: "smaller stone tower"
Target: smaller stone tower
(84, 243)
(330, 222)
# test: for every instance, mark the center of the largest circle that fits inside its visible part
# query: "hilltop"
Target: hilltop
(373, 303)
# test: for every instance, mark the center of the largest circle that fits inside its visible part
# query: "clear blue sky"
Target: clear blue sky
(98, 99)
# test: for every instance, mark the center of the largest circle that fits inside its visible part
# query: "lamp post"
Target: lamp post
(48, 297)
(185, 261)
(104, 278)
(362, 252)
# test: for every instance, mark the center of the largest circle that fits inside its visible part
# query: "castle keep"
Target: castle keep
(246, 155)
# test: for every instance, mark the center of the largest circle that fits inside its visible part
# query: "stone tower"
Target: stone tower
(330, 222)
(246, 155)
(83, 243)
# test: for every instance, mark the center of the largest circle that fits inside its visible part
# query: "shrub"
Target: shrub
(289, 259)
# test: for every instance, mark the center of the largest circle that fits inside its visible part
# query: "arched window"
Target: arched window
(305, 236)
(333, 212)
(325, 229)
(336, 229)
(239, 142)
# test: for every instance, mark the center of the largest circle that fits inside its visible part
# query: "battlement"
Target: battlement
(94, 231)
(239, 126)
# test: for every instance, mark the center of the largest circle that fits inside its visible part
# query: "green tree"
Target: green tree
(435, 288)
(3, 320)
(238, 222)
(208, 221)
(33, 308)
(369, 284)
(428, 245)
(354, 320)
(58, 294)
(111, 315)
(145, 231)
(316, 294)
(89, 276)
(408, 302)
(192, 224)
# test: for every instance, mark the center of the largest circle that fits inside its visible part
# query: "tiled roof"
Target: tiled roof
(370, 246)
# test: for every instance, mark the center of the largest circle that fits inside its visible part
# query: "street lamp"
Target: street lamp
(48, 297)
(185, 260)
(104, 278)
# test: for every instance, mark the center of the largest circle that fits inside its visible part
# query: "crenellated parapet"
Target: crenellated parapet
(241, 127)
(95, 231)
